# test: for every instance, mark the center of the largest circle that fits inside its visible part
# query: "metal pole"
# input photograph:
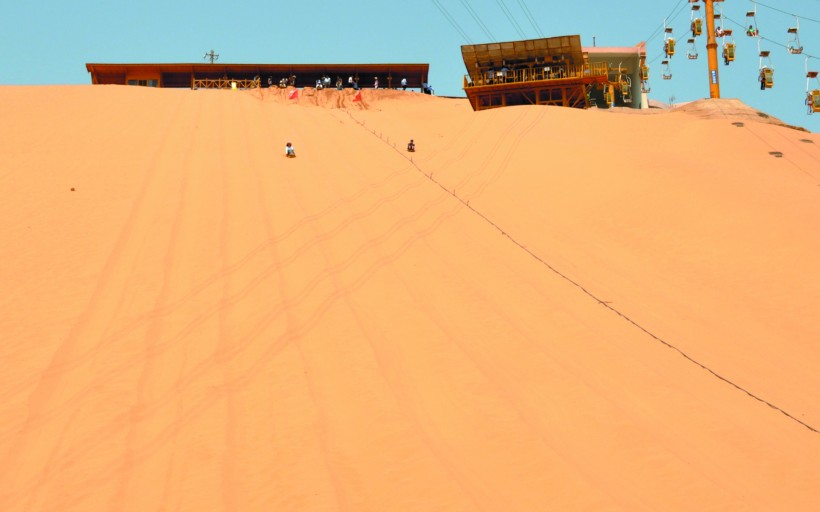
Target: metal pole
(711, 50)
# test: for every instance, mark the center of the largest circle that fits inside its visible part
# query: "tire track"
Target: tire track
(230, 496)
(475, 495)
(215, 309)
(52, 376)
(235, 267)
(58, 371)
(198, 408)
(153, 334)
(500, 169)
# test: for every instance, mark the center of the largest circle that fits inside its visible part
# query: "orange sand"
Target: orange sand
(545, 309)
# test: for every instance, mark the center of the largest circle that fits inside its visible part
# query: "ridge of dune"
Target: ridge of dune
(730, 108)
(540, 308)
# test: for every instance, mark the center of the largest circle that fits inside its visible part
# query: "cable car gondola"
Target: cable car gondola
(812, 95)
(624, 84)
(692, 52)
(752, 31)
(813, 100)
(766, 78)
(766, 72)
(728, 47)
(668, 41)
(718, 18)
(666, 72)
(626, 89)
(609, 95)
(696, 22)
(645, 88)
(793, 43)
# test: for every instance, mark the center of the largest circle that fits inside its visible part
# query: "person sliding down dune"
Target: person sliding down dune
(289, 151)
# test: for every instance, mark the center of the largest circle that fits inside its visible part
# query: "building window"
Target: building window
(144, 83)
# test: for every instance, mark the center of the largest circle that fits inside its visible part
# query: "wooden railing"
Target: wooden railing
(535, 73)
(225, 83)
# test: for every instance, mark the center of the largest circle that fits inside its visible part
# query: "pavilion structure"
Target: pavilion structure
(551, 71)
(243, 76)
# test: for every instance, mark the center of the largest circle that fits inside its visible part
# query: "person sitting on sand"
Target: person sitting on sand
(411, 146)
(289, 151)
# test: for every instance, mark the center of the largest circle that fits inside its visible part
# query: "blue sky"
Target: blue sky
(49, 42)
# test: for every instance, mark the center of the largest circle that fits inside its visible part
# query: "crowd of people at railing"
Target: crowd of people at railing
(492, 76)
(324, 82)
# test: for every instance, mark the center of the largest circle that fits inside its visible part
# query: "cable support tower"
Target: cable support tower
(211, 55)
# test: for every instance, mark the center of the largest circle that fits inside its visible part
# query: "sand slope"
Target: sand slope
(542, 309)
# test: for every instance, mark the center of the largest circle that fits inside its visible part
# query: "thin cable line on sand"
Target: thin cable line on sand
(603, 303)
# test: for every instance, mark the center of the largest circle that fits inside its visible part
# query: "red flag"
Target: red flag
(293, 94)
(358, 96)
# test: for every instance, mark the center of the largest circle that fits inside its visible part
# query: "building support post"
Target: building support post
(711, 50)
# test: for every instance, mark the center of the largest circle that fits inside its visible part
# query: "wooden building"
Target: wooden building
(254, 75)
(547, 71)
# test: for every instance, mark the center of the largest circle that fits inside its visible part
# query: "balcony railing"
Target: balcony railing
(225, 83)
(537, 73)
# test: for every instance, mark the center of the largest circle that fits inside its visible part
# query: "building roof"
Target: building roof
(639, 49)
(180, 74)
(492, 54)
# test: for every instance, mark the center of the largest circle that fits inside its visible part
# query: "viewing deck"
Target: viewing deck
(249, 76)
(588, 73)
(557, 84)
(546, 71)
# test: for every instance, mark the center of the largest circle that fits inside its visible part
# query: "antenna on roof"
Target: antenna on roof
(213, 56)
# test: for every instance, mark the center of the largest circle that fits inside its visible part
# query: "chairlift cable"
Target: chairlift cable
(784, 12)
(452, 20)
(510, 17)
(673, 36)
(530, 17)
(661, 27)
(477, 19)
(770, 40)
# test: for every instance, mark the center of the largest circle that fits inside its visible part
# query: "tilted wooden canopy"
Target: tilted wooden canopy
(478, 57)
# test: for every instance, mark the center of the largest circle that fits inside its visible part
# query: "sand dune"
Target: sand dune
(541, 309)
